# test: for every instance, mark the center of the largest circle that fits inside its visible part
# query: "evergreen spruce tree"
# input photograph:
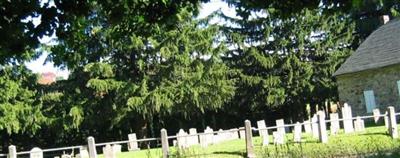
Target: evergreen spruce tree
(285, 63)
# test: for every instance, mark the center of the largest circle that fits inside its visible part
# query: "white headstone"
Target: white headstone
(133, 144)
(108, 152)
(376, 113)
(175, 143)
(386, 119)
(36, 153)
(182, 139)
(116, 148)
(242, 133)
(280, 123)
(234, 133)
(307, 126)
(335, 125)
(359, 125)
(83, 152)
(297, 132)
(223, 135)
(218, 137)
(263, 132)
(194, 140)
(314, 126)
(348, 121)
(278, 137)
(208, 137)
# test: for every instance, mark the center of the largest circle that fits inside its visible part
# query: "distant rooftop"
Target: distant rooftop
(380, 49)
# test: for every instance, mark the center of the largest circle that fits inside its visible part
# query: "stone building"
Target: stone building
(370, 77)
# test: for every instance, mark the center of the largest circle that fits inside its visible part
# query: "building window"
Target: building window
(369, 100)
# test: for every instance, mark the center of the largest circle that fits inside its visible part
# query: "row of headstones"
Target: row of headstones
(311, 126)
(185, 140)
(109, 151)
(38, 153)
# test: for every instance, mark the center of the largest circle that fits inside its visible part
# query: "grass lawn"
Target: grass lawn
(373, 140)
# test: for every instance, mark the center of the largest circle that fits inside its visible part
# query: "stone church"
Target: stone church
(370, 77)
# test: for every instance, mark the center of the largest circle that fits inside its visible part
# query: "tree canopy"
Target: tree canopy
(138, 66)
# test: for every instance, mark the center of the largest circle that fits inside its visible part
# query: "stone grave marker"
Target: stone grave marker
(335, 125)
(242, 133)
(223, 135)
(280, 123)
(323, 135)
(133, 144)
(297, 132)
(359, 125)
(278, 137)
(117, 148)
(307, 126)
(314, 126)
(263, 132)
(36, 153)
(386, 120)
(376, 113)
(175, 143)
(182, 139)
(83, 152)
(193, 140)
(208, 137)
(218, 137)
(234, 133)
(347, 116)
(108, 152)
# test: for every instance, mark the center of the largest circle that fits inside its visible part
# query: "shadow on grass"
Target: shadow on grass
(375, 133)
(237, 153)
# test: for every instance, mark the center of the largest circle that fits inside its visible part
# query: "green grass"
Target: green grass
(371, 142)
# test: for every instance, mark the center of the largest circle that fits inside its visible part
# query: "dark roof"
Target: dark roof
(380, 49)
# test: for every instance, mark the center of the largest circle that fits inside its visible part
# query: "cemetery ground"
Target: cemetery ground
(374, 142)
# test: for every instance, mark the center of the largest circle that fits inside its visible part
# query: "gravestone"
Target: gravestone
(323, 135)
(116, 148)
(83, 152)
(307, 126)
(175, 143)
(182, 139)
(133, 144)
(207, 137)
(263, 132)
(218, 137)
(386, 120)
(234, 133)
(348, 121)
(278, 137)
(335, 125)
(279, 124)
(359, 125)
(36, 153)
(376, 113)
(108, 152)
(297, 132)
(314, 126)
(242, 133)
(193, 140)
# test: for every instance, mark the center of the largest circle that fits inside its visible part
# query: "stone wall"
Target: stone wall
(383, 81)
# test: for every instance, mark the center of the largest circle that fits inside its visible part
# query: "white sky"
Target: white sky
(39, 65)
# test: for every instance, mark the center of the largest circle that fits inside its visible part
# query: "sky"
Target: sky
(40, 66)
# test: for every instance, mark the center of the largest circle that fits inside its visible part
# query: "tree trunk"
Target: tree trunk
(141, 130)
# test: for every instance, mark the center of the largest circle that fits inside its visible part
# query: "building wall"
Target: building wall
(382, 81)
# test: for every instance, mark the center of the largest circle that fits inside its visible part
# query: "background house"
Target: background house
(370, 77)
(47, 78)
